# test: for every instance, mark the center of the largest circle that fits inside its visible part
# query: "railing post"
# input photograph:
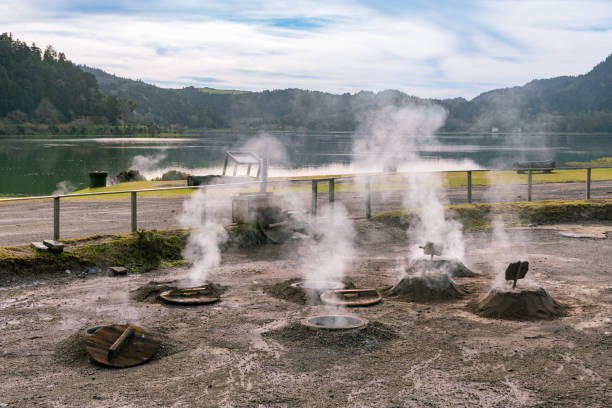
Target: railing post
(263, 187)
(314, 197)
(529, 185)
(56, 218)
(134, 213)
(368, 197)
(203, 219)
(469, 186)
(588, 184)
(332, 192)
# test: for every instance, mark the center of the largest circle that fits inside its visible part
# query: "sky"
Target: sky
(431, 49)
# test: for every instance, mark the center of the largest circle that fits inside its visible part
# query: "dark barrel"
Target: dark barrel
(97, 179)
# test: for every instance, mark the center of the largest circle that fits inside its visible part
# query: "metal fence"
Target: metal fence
(263, 186)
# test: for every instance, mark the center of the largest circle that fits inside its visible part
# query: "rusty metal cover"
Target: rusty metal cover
(121, 345)
(189, 296)
(351, 297)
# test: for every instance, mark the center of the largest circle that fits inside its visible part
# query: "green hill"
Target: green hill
(44, 87)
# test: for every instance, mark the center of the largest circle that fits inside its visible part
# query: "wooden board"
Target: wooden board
(351, 297)
(138, 347)
(189, 296)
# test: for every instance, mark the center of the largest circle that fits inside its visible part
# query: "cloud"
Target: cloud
(429, 49)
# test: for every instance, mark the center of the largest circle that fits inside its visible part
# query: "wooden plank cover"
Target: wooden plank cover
(137, 348)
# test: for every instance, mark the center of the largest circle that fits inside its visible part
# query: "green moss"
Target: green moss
(480, 216)
(141, 252)
(245, 236)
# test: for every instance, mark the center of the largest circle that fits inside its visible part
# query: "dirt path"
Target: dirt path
(249, 351)
(25, 221)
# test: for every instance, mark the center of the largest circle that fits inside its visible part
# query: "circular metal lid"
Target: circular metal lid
(334, 322)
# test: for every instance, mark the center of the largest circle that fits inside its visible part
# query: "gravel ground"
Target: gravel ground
(25, 221)
(249, 350)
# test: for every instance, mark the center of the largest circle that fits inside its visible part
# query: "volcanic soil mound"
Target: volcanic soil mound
(149, 293)
(519, 304)
(454, 268)
(360, 339)
(286, 291)
(426, 287)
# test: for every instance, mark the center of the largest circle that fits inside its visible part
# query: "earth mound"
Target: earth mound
(286, 290)
(149, 293)
(519, 304)
(426, 287)
(454, 268)
(355, 340)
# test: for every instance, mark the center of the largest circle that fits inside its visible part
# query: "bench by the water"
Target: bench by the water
(546, 166)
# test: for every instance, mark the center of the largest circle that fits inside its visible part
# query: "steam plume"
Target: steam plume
(202, 249)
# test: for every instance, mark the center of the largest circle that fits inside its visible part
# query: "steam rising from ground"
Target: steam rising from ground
(391, 138)
(202, 249)
(328, 258)
(267, 146)
(146, 164)
(63, 187)
(391, 135)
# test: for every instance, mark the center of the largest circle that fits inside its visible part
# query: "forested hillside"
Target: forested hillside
(571, 104)
(44, 87)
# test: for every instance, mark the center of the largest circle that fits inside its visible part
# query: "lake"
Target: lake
(36, 166)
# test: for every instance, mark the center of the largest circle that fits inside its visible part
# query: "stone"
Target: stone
(39, 246)
(117, 271)
(54, 246)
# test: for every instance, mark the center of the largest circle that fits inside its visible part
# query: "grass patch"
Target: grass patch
(140, 252)
(479, 216)
(388, 183)
(600, 162)
(221, 91)
(135, 185)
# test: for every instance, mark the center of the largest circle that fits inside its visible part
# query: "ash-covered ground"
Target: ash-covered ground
(248, 350)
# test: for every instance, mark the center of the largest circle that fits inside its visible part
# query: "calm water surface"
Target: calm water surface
(35, 167)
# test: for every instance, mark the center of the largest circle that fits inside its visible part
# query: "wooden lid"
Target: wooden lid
(351, 297)
(189, 296)
(121, 345)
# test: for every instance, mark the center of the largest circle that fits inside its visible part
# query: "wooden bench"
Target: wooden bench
(546, 166)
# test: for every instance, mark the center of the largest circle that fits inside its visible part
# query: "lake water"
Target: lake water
(35, 167)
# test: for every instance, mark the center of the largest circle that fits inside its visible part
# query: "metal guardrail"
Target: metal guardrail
(263, 185)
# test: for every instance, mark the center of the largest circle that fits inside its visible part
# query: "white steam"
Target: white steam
(63, 187)
(390, 138)
(327, 258)
(267, 146)
(202, 249)
(146, 164)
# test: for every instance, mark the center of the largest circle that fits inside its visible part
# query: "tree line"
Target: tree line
(43, 87)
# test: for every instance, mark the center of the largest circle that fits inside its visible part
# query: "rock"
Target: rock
(117, 271)
(39, 246)
(54, 246)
